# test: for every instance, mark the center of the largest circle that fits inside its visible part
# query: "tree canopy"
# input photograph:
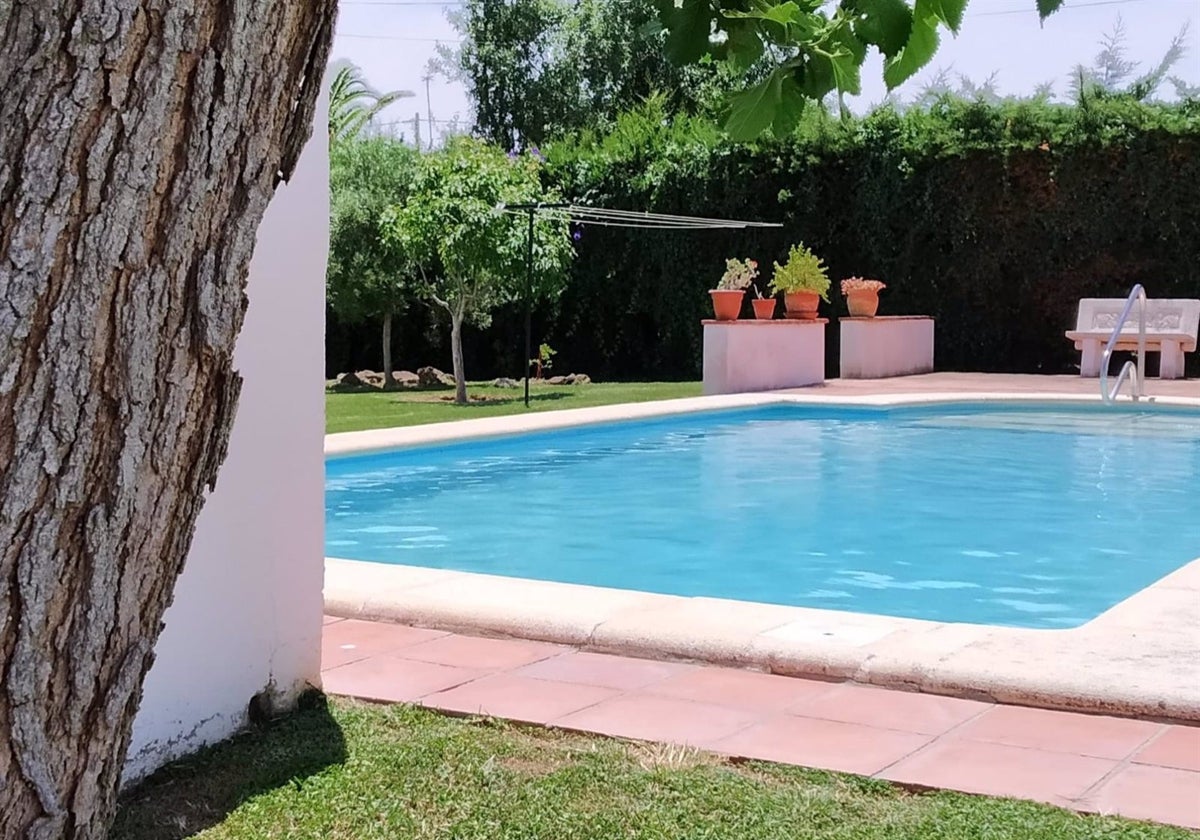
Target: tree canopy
(471, 254)
(535, 69)
(369, 273)
(353, 103)
(813, 49)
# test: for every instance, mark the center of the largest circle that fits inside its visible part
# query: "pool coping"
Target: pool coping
(1137, 659)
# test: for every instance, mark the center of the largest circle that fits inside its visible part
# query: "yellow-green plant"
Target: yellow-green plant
(803, 271)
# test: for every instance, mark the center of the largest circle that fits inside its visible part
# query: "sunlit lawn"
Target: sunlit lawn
(364, 772)
(377, 409)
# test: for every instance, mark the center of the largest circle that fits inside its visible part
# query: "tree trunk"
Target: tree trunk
(140, 143)
(460, 377)
(388, 381)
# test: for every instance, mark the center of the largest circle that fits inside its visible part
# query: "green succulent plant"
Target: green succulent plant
(803, 271)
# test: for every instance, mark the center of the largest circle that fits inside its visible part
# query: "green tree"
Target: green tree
(369, 274)
(470, 251)
(537, 69)
(813, 49)
(353, 103)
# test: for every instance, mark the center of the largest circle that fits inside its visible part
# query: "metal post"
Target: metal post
(528, 305)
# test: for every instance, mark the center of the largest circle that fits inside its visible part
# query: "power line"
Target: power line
(1063, 8)
(399, 38)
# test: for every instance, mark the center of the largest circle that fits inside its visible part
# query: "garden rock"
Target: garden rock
(505, 382)
(371, 378)
(557, 380)
(578, 379)
(349, 380)
(431, 377)
(406, 378)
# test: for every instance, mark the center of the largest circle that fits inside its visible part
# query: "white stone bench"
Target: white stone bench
(1171, 328)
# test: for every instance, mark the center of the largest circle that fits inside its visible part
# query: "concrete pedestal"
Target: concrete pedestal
(895, 345)
(742, 356)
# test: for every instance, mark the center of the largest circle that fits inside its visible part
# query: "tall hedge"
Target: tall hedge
(993, 219)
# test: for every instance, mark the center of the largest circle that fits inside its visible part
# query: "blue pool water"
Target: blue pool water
(1031, 517)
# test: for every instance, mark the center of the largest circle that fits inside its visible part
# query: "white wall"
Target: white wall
(247, 609)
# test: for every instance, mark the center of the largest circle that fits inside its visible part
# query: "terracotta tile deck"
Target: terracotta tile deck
(1138, 769)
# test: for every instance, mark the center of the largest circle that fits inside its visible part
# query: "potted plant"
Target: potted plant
(727, 297)
(764, 307)
(862, 296)
(803, 281)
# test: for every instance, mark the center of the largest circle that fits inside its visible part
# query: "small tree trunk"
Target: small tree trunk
(460, 377)
(388, 382)
(140, 143)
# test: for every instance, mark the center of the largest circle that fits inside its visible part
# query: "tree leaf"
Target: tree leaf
(847, 60)
(885, 23)
(918, 51)
(949, 12)
(1048, 7)
(753, 111)
(818, 77)
(744, 45)
(790, 109)
(690, 26)
(846, 75)
(782, 13)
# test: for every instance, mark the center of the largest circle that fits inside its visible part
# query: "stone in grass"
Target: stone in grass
(349, 380)
(406, 378)
(505, 382)
(431, 377)
(370, 378)
(569, 379)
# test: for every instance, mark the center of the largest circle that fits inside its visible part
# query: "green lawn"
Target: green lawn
(375, 410)
(351, 771)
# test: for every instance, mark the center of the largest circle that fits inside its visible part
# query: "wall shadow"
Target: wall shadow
(197, 792)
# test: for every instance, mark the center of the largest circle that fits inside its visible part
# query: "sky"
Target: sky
(392, 40)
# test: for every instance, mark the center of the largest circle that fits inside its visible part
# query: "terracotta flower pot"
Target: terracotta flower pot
(727, 303)
(764, 308)
(862, 303)
(802, 305)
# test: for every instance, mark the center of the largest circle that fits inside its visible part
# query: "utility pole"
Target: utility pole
(417, 129)
(428, 106)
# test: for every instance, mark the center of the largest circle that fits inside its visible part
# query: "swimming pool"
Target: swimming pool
(1021, 516)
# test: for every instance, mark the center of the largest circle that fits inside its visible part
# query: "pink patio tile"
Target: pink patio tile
(393, 680)
(750, 690)
(1066, 732)
(331, 619)
(1151, 793)
(350, 640)
(651, 718)
(825, 744)
(1178, 746)
(478, 652)
(518, 698)
(619, 672)
(908, 711)
(1001, 770)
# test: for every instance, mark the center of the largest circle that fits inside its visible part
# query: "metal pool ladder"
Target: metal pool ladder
(1136, 374)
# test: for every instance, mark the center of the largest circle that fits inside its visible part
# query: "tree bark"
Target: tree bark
(140, 142)
(460, 377)
(388, 381)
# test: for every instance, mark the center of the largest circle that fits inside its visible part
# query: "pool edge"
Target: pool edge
(1128, 661)
(376, 440)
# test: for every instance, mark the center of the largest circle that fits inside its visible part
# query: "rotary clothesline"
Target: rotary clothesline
(604, 217)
